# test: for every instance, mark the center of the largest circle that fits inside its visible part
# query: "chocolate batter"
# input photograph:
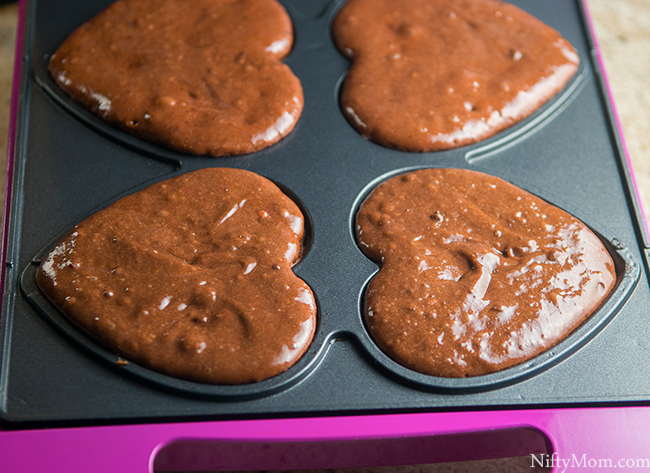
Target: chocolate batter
(200, 76)
(429, 75)
(191, 277)
(476, 274)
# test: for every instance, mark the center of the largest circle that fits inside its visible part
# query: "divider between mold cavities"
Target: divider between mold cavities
(317, 11)
(627, 276)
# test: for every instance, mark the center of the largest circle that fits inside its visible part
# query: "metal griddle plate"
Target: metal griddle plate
(69, 164)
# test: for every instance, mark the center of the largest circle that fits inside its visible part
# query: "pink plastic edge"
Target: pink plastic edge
(585, 437)
(581, 439)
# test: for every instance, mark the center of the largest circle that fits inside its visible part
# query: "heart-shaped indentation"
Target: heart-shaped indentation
(191, 277)
(476, 274)
(429, 75)
(201, 77)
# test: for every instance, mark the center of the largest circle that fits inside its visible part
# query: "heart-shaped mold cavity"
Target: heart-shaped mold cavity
(190, 277)
(480, 279)
(202, 77)
(432, 75)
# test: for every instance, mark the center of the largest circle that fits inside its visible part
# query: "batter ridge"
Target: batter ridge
(476, 274)
(429, 75)
(190, 277)
(201, 77)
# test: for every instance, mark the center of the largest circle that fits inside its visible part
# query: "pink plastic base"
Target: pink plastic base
(586, 437)
(568, 439)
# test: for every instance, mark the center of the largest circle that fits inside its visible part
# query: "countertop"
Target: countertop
(623, 32)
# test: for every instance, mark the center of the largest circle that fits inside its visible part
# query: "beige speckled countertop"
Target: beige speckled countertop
(623, 31)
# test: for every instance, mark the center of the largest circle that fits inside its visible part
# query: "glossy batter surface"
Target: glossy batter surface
(191, 277)
(476, 274)
(200, 76)
(428, 75)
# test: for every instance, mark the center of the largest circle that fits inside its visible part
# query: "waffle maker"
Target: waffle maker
(68, 406)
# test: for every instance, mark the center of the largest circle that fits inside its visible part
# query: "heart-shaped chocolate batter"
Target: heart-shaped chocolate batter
(191, 277)
(476, 274)
(200, 76)
(429, 75)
